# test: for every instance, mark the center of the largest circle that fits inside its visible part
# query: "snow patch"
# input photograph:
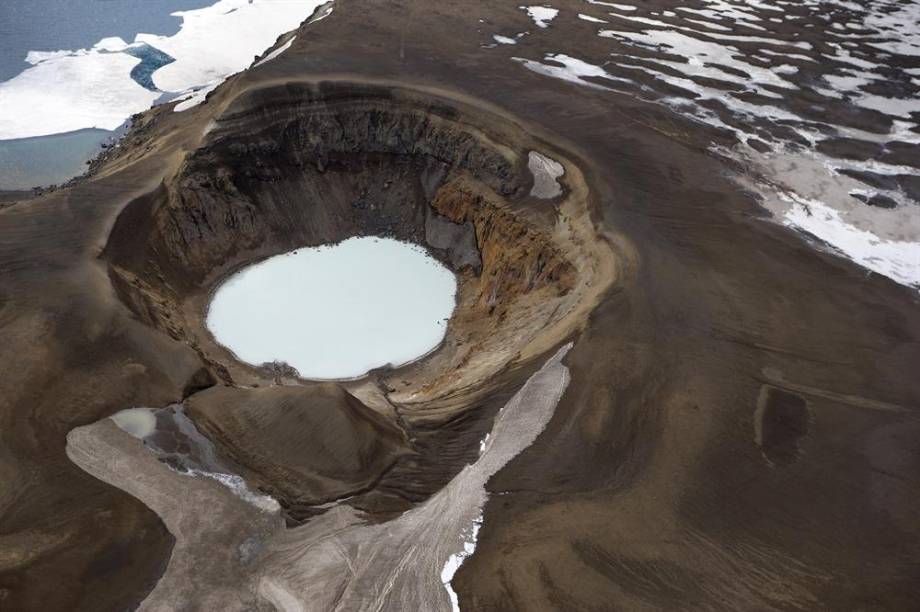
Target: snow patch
(541, 15)
(545, 171)
(705, 66)
(453, 563)
(277, 51)
(194, 98)
(897, 260)
(572, 69)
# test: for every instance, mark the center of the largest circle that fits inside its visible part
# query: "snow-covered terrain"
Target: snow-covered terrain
(821, 96)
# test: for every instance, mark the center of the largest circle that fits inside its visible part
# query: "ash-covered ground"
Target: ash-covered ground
(681, 369)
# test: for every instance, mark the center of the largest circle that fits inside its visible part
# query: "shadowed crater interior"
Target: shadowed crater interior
(781, 422)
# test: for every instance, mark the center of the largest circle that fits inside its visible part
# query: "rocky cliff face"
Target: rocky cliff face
(517, 257)
(299, 167)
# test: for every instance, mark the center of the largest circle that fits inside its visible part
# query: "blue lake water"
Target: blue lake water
(52, 25)
(47, 160)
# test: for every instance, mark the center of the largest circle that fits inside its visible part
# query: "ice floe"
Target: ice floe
(101, 87)
(222, 39)
(89, 88)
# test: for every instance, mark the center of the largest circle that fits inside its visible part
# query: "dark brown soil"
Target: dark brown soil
(305, 446)
(648, 490)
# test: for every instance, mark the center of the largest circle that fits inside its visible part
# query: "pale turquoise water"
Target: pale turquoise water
(336, 311)
(47, 160)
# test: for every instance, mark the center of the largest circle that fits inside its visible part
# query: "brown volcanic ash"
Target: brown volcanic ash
(236, 557)
(739, 430)
(305, 446)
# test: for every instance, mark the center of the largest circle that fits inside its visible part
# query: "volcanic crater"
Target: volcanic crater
(306, 164)
(646, 397)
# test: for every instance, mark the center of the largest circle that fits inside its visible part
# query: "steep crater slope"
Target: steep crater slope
(298, 165)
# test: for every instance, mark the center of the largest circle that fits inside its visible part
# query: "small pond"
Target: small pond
(336, 311)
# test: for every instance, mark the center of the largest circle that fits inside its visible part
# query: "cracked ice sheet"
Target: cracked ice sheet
(238, 28)
(66, 90)
(72, 90)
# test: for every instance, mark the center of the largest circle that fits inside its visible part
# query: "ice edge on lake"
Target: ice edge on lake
(545, 171)
(69, 90)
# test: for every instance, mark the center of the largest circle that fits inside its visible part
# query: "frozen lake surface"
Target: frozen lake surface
(336, 311)
(72, 72)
